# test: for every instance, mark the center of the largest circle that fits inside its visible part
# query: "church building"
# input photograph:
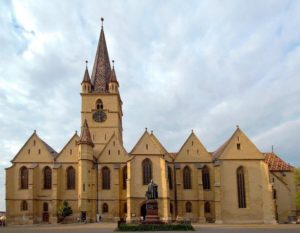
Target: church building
(98, 178)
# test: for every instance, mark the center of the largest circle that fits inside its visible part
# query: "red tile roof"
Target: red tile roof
(275, 163)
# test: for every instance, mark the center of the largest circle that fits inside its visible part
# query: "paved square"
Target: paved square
(110, 227)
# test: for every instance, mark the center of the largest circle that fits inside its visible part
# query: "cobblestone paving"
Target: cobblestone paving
(110, 227)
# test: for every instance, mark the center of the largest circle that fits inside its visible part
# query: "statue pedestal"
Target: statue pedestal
(152, 212)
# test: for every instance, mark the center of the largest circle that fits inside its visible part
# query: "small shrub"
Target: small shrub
(155, 227)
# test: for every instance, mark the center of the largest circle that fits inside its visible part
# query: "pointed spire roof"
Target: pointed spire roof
(86, 76)
(85, 136)
(102, 69)
(113, 77)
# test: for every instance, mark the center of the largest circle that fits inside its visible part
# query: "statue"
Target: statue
(152, 193)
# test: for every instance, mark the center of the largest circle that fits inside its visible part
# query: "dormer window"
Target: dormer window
(99, 104)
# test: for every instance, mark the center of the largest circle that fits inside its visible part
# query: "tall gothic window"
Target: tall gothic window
(24, 178)
(207, 207)
(99, 104)
(170, 177)
(70, 178)
(171, 208)
(105, 178)
(187, 184)
(124, 177)
(125, 207)
(241, 187)
(188, 207)
(147, 171)
(47, 178)
(205, 178)
(45, 207)
(104, 208)
(24, 206)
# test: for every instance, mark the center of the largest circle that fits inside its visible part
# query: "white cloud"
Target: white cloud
(204, 65)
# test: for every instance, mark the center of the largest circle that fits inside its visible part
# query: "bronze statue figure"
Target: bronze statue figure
(152, 191)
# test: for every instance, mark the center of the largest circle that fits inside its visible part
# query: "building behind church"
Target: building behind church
(97, 177)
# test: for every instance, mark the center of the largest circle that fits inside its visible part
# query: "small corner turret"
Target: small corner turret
(86, 84)
(113, 82)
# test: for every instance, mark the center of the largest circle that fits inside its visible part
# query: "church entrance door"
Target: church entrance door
(45, 217)
(143, 211)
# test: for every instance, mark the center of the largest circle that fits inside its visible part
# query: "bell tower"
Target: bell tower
(101, 101)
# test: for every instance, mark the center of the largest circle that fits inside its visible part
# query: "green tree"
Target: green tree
(64, 210)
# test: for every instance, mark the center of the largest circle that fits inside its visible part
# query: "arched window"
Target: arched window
(105, 178)
(24, 178)
(187, 184)
(170, 177)
(188, 207)
(104, 208)
(147, 171)
(45, 207)
(47, 178)
(171, 208)
(125, 207)
(205, 178)
(241, 187)
(24, 206)
(124, 177)
(207, 207)
(99, 104)
(70, 178)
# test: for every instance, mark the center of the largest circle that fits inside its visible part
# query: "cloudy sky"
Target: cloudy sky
(203, 65)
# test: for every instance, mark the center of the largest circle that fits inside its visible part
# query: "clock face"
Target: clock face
(99, 116)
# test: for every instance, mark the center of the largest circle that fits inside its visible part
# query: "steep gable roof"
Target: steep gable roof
(113, 151)
(148, 144)
(71, 144)
(50, 152)
(229, 150)
(193, 150)
(275, 163)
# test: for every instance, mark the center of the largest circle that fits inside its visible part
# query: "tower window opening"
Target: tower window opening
(39, 151)
(238, 146)
(33, 142)
(29, 151)
(99, 104)
(146, 146)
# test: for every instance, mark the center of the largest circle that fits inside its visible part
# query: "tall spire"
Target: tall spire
(113, 77)
(86, 76)
(101, 70)
(85, 136)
